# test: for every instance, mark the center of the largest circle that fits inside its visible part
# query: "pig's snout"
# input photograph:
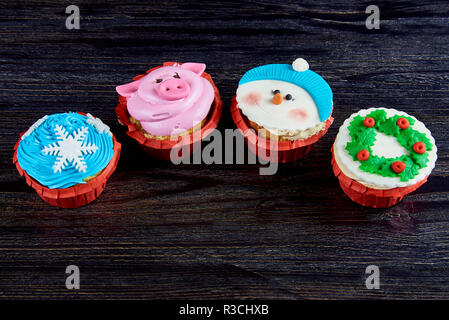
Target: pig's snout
(174, 89)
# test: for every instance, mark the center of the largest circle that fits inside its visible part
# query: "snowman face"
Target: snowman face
(278, 105)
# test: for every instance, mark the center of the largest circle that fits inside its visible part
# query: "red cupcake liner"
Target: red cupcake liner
(370, 197)
(275, 151)
(185, 145)
(77, 195)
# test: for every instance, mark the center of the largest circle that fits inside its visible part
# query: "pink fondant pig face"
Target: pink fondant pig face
(166, 92)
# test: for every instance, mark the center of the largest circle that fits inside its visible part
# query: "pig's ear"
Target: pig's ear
(126, 90)
(198, 68)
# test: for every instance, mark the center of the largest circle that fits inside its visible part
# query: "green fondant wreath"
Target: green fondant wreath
(363, 133)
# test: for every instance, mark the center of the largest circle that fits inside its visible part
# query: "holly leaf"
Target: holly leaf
(410, 171)
(404, 137)
(408, 137)
(417, 136)
(386, 170)
(353, 148)
(373, 164)
(395, 118)
(355, 126)
(420, 159)
(378, 116)
(366, 137)
(389, 127)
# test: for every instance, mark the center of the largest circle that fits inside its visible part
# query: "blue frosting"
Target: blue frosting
(310, 81)
(39, 164)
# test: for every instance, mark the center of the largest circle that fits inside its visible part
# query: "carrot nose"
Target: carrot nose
(277, 99)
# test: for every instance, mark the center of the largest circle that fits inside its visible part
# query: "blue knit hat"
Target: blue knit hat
(297, 73)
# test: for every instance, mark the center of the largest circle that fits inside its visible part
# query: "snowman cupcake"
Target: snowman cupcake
(288, 106)
(380, 155)
(67, 158)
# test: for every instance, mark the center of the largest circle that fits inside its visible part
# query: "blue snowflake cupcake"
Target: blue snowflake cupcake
(67, 158)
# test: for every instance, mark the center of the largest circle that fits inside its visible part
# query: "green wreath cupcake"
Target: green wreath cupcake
(380, 155)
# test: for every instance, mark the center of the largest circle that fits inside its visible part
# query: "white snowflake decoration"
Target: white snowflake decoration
(70, 148)
(98, 124)
(34, 126)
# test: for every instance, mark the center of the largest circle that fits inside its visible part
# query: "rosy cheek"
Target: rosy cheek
(252, 98)
(297, 114)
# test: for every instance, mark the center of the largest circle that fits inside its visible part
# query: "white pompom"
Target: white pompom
(300, 65)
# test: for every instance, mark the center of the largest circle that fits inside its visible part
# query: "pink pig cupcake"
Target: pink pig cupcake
(171, 106)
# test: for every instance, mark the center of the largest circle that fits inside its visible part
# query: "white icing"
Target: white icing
(98, 124)
(351, 168)
(300, 65)
(388, 146)
(70, 148)
(276, 117)
(34, 126)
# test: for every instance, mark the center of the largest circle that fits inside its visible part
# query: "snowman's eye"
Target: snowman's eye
(158, 80)
(276, 91)
(288, 97)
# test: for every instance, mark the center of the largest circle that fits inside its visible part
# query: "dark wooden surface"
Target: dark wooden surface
(223, 231)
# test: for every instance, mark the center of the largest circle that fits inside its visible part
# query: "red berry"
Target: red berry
(363, 155)
(419, 147)
(403, 123)
(369, 122)
(398, 166)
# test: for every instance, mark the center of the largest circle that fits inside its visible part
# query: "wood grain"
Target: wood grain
(222, 231)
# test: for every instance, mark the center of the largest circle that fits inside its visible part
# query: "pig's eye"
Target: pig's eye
(176, 76)
(158, 80)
